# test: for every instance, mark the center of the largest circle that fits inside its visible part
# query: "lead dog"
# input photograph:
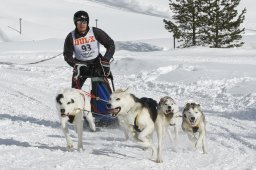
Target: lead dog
(193, 122)
(70, 104)
(168, 112)
(136, 115)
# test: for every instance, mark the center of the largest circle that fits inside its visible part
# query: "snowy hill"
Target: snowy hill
(223, 81)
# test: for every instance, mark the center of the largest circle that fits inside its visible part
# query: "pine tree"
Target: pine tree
(206, 22)
(187, 22)
(222, 23)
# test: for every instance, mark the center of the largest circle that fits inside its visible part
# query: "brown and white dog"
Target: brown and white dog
(70, 104)
(168, 112)
(193, 123)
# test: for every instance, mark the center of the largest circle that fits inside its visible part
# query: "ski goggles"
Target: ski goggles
(81, 22)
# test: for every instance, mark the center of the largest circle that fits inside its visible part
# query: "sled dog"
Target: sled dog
(193, 122)
(168, 112)
(135, 115)
(71, 104)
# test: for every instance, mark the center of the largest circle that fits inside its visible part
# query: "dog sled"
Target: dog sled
(101, 89)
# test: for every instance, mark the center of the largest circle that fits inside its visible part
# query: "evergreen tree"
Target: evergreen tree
(187, 22)
(206, 22)
(222, 28)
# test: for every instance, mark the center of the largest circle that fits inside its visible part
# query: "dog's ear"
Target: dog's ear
(121, 90)
(161, 101)
(59, 97)
(183, 113)
(126, 90)
(200, 108)
(187, 105)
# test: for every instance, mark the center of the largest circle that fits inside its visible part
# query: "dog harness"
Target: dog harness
(195, 129)
(71, 118)
(135, 126)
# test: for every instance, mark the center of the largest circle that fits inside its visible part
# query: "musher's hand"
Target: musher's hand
(105, 66)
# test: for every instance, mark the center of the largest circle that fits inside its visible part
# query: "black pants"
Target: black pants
(93, 69)
(84, 72)
(89, 70)
(78, 83)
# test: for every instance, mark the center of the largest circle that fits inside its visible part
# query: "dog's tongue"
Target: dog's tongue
(169, 112)
(193, 124)
(113, 111)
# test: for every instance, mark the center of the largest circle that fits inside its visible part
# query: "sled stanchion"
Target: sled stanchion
(112, 84)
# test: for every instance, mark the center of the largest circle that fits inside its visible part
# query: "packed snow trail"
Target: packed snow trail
(30, 129)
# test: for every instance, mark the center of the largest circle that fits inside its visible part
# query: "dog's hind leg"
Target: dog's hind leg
(67, 136)
(90, 120)
(145, 142)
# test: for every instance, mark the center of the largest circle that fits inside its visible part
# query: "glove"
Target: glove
(105, 65)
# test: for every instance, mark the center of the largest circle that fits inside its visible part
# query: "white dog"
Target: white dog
(193, 122)
(168, 112)
(70, 104)
(137, 116)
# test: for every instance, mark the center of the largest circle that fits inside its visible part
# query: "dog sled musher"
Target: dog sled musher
(102, 86)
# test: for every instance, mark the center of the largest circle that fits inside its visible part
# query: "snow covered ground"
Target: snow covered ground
(223, 81)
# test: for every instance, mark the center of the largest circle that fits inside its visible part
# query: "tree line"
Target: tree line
(213, 23)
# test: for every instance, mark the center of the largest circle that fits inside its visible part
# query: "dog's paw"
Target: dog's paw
(159, 160)
(70, 147)
(205, 151)
(80, 149)
(92, 127)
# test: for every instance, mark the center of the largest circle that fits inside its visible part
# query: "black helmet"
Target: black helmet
(81, 16)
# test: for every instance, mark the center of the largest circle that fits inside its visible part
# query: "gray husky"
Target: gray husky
(168, 112)
(193, 122)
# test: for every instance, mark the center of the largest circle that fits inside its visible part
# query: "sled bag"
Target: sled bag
(102, 90)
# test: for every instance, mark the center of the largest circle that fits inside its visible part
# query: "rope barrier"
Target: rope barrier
(43, 60)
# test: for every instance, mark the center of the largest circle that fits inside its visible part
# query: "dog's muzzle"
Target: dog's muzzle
(193, 121)
(115, 111)
(62, 111)
(169, 112)
(64, 115)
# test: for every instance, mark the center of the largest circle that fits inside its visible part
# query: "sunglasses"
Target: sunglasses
(81, 22)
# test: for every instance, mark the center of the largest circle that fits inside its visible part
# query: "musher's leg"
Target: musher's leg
(77, 81)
